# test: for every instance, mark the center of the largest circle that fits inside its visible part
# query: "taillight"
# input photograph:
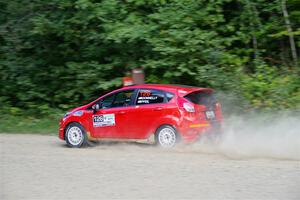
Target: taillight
(189, 107)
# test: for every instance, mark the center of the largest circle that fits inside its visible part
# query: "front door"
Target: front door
(107, 121)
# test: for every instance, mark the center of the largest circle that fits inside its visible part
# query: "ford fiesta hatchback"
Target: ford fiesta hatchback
(163, 114)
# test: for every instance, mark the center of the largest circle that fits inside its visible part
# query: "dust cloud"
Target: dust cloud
(274, 136)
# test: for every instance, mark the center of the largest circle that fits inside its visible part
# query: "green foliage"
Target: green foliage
(271, 88)
(59, 54)
(28, 124)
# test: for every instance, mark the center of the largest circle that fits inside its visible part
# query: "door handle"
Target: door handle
(122, 112)
(158, 109)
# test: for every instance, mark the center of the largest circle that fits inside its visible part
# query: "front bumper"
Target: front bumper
(61, 131)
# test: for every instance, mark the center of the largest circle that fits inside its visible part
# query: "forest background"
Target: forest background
(59, 54)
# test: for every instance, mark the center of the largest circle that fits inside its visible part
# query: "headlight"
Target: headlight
(78, 113)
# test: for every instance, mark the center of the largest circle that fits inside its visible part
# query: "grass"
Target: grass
(28, 124)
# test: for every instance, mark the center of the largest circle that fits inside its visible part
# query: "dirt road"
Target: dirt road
(42, 167)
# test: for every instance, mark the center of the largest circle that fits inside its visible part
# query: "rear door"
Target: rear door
(149, 108)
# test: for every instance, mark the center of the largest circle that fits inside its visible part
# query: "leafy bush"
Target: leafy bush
(271, 88)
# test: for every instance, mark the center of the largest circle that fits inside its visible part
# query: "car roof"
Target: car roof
(185, 88)
(182, 89)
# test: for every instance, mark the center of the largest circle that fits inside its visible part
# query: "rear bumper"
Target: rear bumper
(192, 132)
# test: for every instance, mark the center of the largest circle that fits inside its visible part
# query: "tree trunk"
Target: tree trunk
(290, 32)
(255, 47)
(254, 24)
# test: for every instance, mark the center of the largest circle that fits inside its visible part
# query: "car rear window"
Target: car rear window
(148, 96)
(201, 98)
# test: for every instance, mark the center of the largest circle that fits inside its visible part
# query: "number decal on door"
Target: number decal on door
(104, 120)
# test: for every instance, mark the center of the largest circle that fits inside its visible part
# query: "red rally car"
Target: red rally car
(165, 114)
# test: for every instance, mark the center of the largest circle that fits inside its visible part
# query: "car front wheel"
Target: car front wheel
(166, 136)
(75, 135)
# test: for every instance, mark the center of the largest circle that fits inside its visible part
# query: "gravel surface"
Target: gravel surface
(42, 167)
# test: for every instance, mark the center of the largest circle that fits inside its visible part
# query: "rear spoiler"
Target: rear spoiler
(184, 92)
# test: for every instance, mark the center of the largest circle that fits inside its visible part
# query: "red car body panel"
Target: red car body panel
(142, 121)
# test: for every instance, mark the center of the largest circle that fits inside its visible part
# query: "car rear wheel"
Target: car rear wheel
(166, 136)
(75, 135)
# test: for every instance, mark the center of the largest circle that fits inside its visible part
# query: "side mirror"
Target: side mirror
(96, 107)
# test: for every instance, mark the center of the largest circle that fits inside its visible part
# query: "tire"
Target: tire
(166, 136)
(75, 135)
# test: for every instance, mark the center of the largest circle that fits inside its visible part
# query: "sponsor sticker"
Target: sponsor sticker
(145, 96)
(104, 120)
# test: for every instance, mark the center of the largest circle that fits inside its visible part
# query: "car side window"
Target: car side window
(107, 101)
(123, 98)
(169, 96)
(149, 96)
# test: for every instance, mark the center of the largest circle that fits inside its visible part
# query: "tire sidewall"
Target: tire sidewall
(158, 131)
(84, 136)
